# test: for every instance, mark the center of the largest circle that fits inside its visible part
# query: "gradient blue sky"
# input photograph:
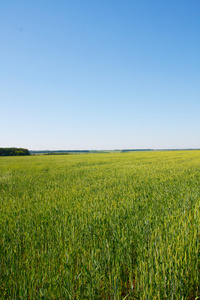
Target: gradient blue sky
(110, 74)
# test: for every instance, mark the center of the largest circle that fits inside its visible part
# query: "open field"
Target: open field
(100, 226)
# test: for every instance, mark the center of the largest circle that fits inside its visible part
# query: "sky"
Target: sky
(109, 74)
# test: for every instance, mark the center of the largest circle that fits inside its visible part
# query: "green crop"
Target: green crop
(100, 226)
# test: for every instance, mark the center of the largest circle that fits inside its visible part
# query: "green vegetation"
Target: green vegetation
(100, 226)
(13, 151)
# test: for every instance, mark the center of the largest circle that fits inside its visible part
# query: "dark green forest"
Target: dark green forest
(13, 151)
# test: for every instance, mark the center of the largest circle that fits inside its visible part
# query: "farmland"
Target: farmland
(100, 226)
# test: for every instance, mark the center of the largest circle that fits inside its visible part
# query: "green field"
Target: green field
(100, 226)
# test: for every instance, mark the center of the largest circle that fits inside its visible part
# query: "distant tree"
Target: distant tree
(13, 151)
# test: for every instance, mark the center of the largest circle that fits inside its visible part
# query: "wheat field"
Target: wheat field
(100, 226)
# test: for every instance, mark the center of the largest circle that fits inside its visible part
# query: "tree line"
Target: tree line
(14, 151)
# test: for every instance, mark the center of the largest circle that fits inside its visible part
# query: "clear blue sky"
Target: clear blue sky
(89, 74)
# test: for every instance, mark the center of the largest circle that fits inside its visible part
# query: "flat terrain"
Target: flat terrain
(100, 226)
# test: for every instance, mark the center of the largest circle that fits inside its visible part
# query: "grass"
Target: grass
(100, 226)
